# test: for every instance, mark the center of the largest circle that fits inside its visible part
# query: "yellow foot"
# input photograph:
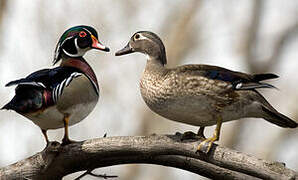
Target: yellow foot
(206, 145)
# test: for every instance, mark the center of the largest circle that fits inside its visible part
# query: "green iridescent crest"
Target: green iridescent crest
(75, 30)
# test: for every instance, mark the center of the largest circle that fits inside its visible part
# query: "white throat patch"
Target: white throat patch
(80, 52)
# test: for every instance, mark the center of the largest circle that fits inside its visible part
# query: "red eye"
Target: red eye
(82, 34)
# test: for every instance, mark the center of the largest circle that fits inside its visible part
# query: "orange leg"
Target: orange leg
(66, 139)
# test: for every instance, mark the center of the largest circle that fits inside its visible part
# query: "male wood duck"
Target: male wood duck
(65, 95)
(200, 95)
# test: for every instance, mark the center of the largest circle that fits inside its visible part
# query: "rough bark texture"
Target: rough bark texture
(57, 161)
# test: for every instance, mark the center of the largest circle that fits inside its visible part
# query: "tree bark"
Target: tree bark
(57, 161)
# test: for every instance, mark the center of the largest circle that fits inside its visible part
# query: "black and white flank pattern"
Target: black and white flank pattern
(57, 91)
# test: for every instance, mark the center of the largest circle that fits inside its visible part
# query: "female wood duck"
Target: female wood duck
(200, 95)
(65, 95)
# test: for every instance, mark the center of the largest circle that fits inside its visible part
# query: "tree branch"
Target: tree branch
(57, 161)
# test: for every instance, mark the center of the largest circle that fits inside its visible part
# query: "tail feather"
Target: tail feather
(7, 106)
(11, 105)
(279, 119)
(254, 82)
(16, 82)
(254, 85)
(262, 77)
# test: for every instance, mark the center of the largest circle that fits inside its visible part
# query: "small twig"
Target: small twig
(81, 176)
(102, 175)
(89, 172)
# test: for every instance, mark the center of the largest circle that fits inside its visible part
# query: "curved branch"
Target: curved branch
(57, 161)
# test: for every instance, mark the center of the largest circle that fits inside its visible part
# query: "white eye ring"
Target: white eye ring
(139, 37)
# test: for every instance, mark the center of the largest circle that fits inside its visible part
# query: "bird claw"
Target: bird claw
(52, 143)
(66, 141)
(205, 146)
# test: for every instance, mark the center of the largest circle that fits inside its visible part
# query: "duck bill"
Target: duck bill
(97, 45)
(125, 50)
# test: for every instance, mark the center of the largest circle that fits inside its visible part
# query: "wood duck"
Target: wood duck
(200, 95)
(65, 95)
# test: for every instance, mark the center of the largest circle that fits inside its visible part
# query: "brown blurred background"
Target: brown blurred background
(250, 36)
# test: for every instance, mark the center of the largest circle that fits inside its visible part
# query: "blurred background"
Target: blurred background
(245, 35)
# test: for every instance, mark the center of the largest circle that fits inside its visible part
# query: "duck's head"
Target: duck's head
(76, 41)
(147, 43)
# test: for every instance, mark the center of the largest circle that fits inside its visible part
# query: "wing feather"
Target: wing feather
(238, 80)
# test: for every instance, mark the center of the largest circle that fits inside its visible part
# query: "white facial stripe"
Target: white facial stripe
(142, 37)
(60, 46)
(81, 52)
(87, 31)
(65, 40)
(68, 54)
(76, 43)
